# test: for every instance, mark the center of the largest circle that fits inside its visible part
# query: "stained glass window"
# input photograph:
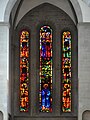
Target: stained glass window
(24, 71)
(45, 95)
(66, 71)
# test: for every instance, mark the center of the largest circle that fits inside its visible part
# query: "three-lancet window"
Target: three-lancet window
(46, 70)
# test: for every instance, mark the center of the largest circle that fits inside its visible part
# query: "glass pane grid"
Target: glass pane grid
(66, 72)
(24, 71)
(45, 95)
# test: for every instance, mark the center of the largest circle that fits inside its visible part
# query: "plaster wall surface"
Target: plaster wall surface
(4, 69)
(85, 10)
(84, 67)
(3, 5)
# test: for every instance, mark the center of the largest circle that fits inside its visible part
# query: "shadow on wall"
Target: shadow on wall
(86, 115)
(1, 115)
(9, 117)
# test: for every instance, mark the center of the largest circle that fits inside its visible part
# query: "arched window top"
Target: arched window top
(66, 33)
(46, 29)
(24, 32)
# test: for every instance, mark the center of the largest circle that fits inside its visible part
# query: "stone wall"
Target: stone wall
(4, 71)
(84, 67)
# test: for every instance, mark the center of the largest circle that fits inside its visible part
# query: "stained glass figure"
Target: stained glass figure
(24, 71)
(45, 94)
(66, 71)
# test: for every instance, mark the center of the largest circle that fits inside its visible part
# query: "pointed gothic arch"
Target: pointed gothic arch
(11, 4)
(34, 22)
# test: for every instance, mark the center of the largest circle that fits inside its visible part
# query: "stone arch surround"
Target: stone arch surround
(35, 3)
(29, 23)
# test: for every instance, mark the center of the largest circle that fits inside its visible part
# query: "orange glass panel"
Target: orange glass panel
(24, 71)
